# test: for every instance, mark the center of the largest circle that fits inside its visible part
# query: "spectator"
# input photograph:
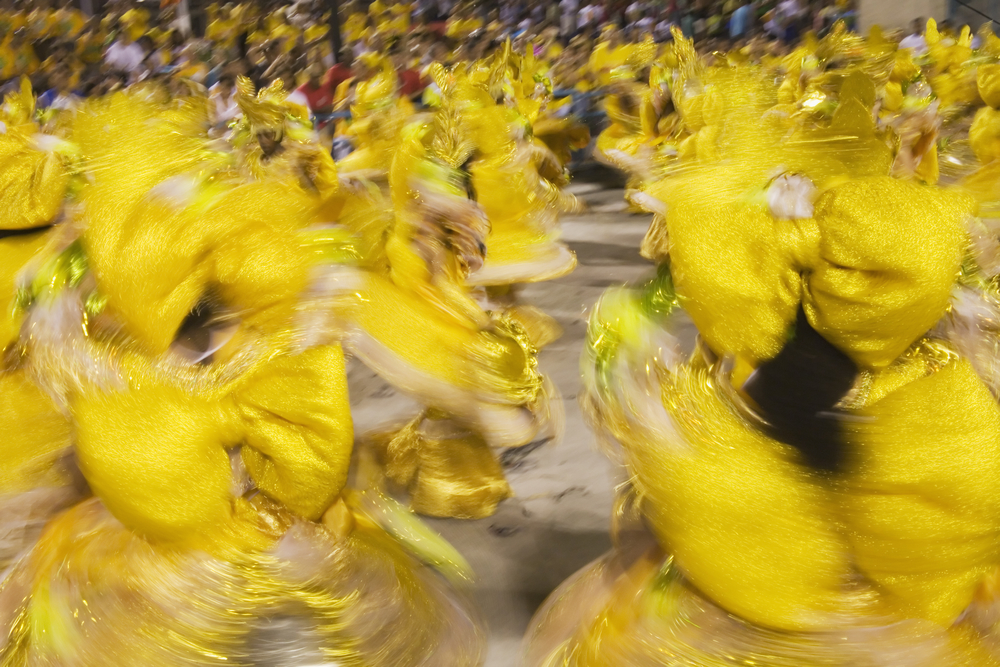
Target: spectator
(124, 55)
(915, 41)
(317, 91)
(222, 101)
(741, 22)
(567, 20)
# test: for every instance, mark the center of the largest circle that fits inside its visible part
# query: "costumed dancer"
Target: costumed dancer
(812, 485)
(517, 178)
(646, 131)
(419, 328)
(36, 177)
(171, 322)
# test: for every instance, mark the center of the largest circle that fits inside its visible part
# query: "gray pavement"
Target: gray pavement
(558, 520)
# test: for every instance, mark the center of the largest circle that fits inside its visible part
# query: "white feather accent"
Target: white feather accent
(630, 164)
(631, 391)
(179, 191)
(791, 197)
(554, 263)
(56, 338)
(318, 320)
(973, 327)
(985, 246)
(47, 143)
(646, 202)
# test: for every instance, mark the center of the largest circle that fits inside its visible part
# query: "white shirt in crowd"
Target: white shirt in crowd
(224, 107)
(588, 16)
(789, 9)
(567, 18)
(125, 57)
(916, 43)
(662, 30)
(634, 11)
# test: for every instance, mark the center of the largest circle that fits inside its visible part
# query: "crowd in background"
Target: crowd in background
(69, 56)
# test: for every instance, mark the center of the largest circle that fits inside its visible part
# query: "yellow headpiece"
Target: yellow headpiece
(450, 144)
(19, 107)
(378, 91)
(264, 110)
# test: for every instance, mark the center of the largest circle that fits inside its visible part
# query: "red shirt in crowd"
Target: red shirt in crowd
(336, 75)
(320, 97)
(410, 83)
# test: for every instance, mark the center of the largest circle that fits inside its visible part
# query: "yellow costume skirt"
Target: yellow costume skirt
(631, 609)
(93, 593)
(523, 244)
(486, 380)
(518, 253)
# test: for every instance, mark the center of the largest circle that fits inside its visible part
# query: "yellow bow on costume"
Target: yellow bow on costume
(156, 454)
(984, 134)
(871, 259)
(33, 177)
(191, 237)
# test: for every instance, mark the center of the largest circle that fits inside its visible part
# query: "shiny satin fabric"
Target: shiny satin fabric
(741, 274)
(219, 500)
(15, 251)
(188, 235)
(984, 133)
(872, 263)
(762, 559)
(920, 508)
(33, 180)
(521, 205)
(641, 612)
(144, 448)
(778, 565)
(34, 176)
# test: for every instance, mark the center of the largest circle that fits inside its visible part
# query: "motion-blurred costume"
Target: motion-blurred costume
(517, 177)
(378, 114)
(419, 327)
(273, 140)
(204, 430)
(35, 180)
(645, 132)
(812, 484)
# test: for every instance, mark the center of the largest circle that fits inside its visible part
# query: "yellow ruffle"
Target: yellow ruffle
(921, 506)
(984, 134)
(447, 472)
(414, 330)
(33, 182)
(641, 612)
(94, 593)
(707, 495)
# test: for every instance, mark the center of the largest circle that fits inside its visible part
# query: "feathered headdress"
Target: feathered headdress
(263, 110)
(450, 144)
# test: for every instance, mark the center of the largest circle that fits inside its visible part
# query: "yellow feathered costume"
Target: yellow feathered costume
(756, 557)
(210, 421)
(420, 328)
